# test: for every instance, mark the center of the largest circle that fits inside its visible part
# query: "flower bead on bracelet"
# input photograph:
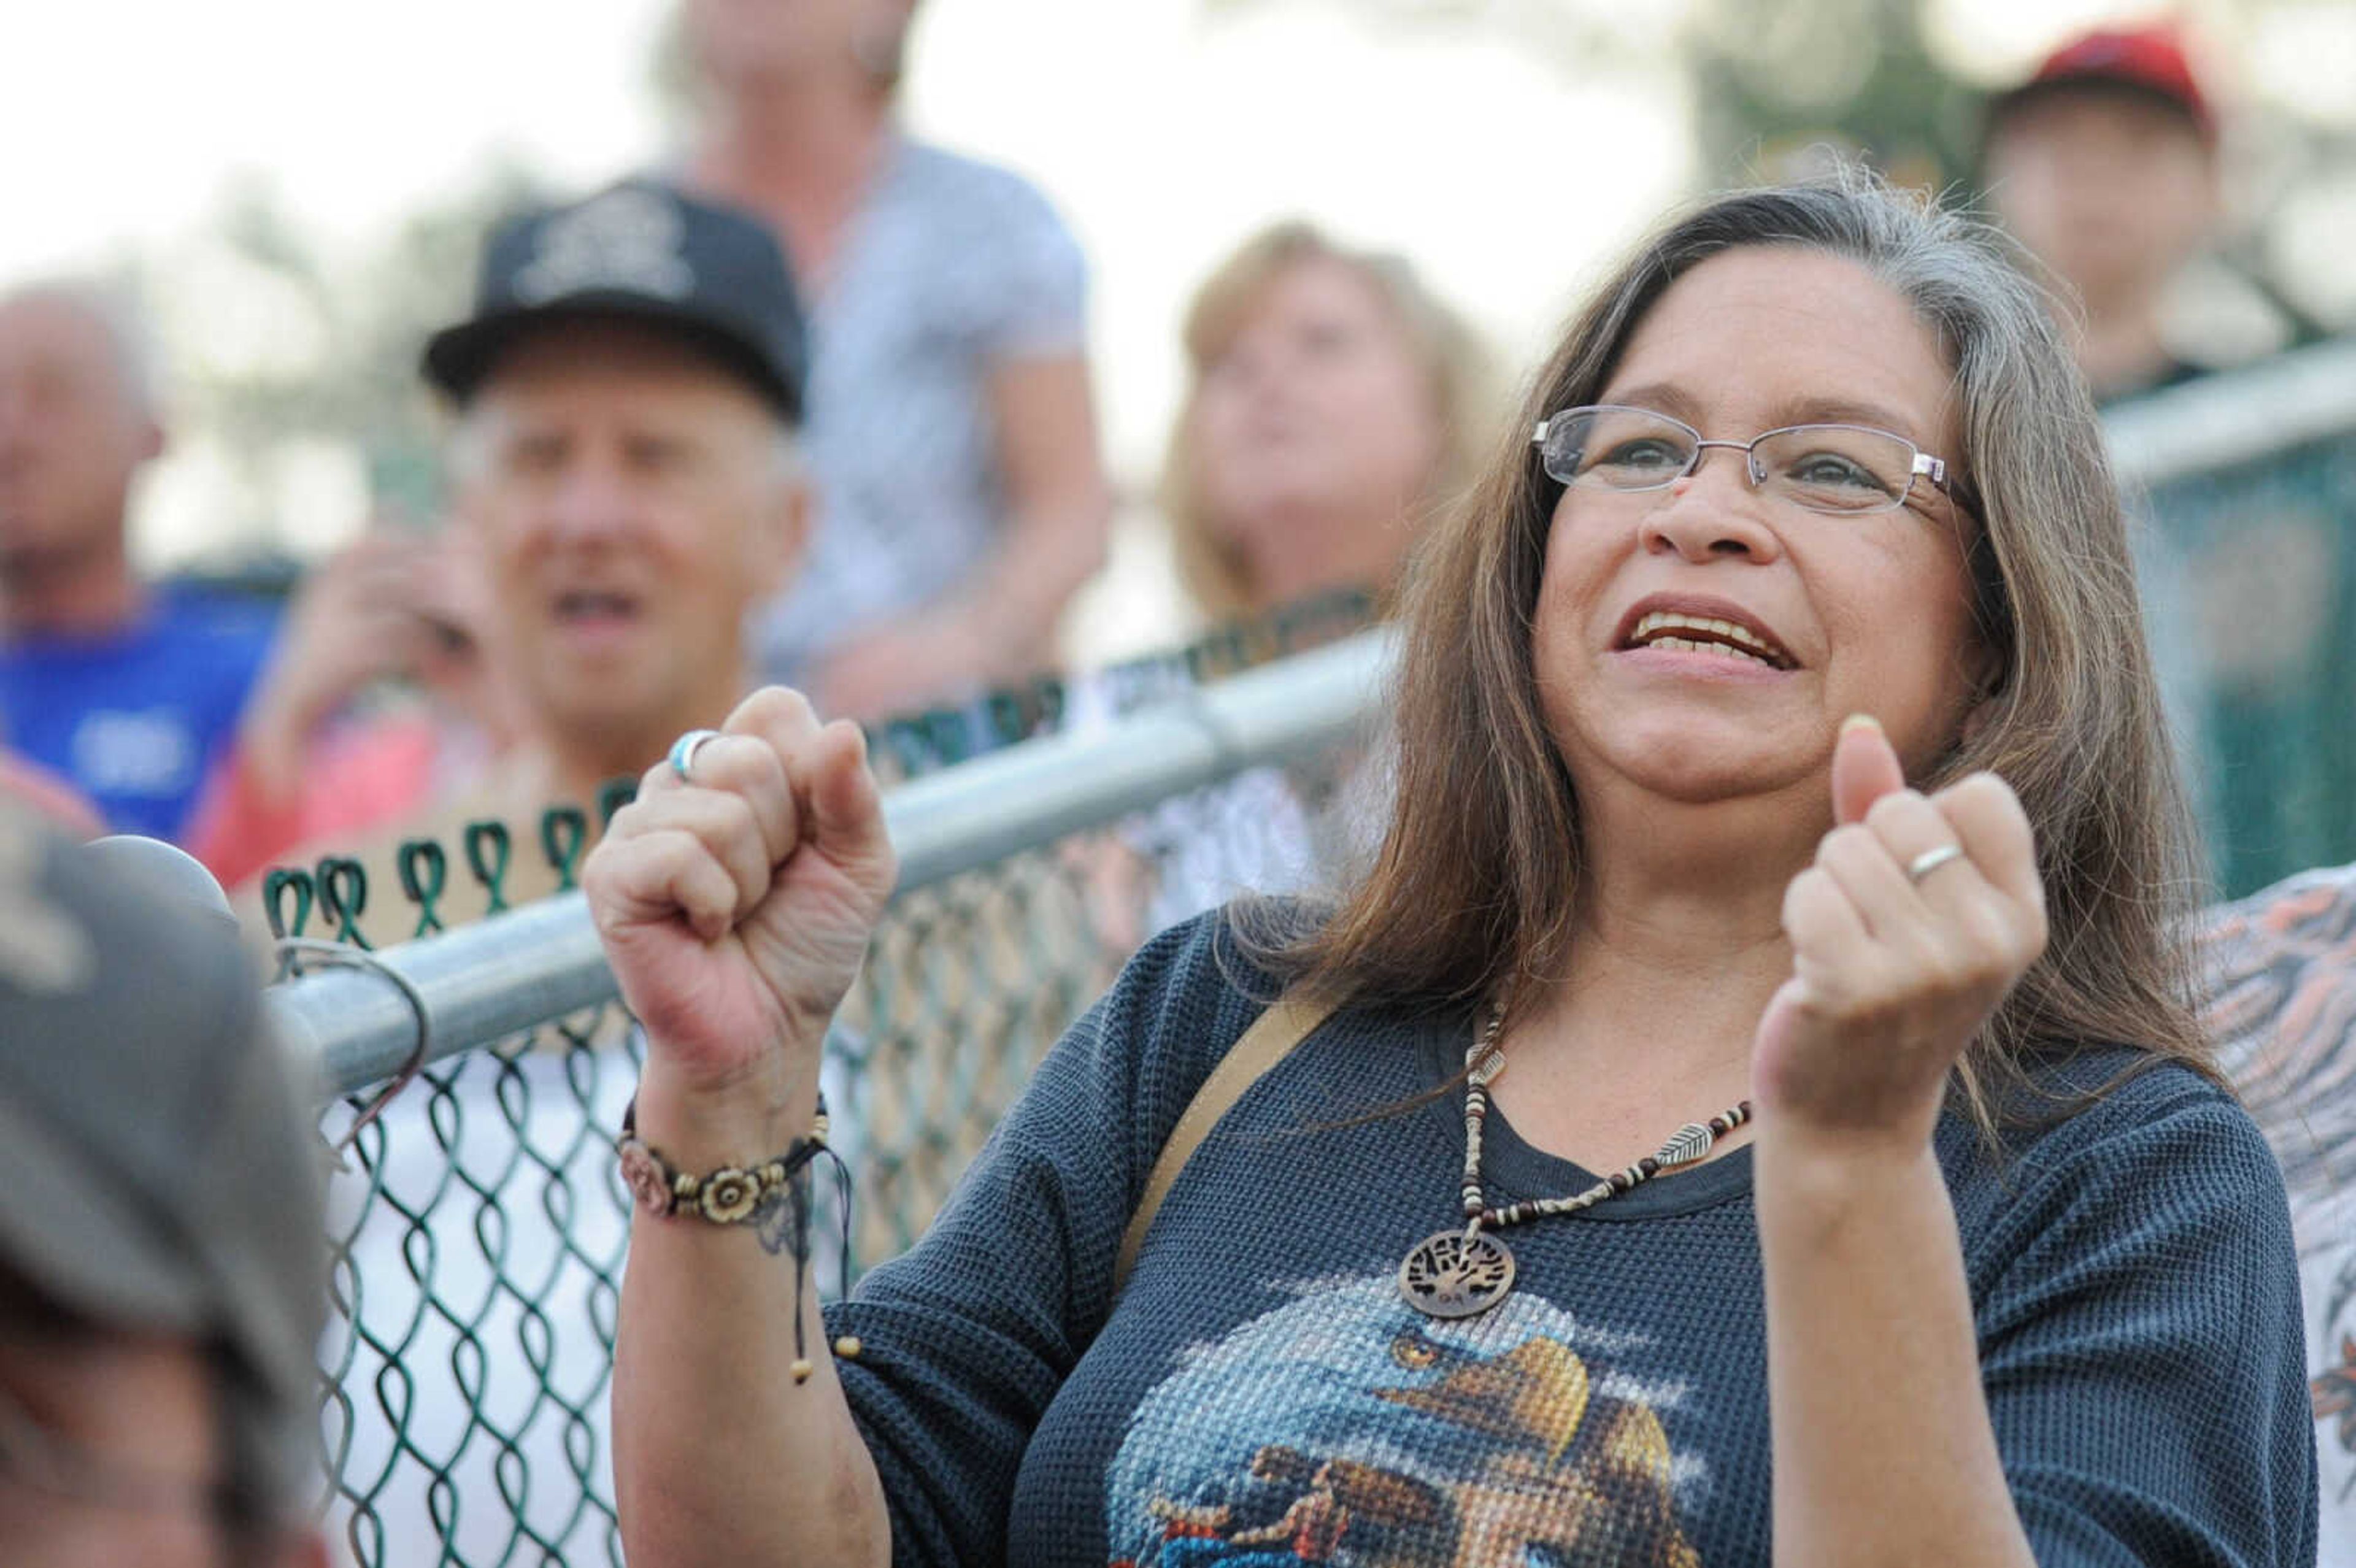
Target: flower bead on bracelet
(731, 1195)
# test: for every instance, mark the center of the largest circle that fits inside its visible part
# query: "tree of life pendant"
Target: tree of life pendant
(1451, 1275)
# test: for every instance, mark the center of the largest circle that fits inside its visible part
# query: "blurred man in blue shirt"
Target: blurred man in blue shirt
(129, 691)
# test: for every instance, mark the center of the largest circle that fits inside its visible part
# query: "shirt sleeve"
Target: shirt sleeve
(1023, 284)
(2141, 1341)
(966, 1337)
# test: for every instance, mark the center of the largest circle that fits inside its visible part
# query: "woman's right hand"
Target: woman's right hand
(735, 908)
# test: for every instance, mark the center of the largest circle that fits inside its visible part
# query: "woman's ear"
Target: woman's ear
(1983, 668)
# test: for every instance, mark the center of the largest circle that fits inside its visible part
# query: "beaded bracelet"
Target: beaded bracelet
(739, 1195)
(731, 1195)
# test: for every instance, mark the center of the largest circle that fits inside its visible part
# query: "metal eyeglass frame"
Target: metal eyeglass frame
(1924, 465)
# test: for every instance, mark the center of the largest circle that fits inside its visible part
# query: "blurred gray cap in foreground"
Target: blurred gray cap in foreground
(157, 1168)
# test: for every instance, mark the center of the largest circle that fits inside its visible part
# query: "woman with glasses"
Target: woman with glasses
(1749, 1111)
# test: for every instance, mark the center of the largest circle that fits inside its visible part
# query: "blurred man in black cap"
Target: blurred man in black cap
(628, 391)
(161, 1264)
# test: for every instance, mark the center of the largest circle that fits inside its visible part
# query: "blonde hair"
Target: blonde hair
(1478, 879)
(1456, 372)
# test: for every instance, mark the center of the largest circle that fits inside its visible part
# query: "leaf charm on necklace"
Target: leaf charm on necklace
(1687, 1145)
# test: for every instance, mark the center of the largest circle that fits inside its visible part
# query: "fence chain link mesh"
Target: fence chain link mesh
(2253, 612)
(477, 1222)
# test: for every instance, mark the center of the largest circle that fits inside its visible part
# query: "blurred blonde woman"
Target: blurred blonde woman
(1333, 404)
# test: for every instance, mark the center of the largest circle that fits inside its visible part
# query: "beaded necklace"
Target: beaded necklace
(1462, 1274)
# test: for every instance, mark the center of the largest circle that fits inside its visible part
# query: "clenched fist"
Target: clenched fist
(1918, 917)
(735, 906)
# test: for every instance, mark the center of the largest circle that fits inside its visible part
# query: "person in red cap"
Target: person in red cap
(2103, 163)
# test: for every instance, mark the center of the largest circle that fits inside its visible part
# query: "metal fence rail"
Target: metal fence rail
(497, 977)
(2218, 423)
(478, 1226)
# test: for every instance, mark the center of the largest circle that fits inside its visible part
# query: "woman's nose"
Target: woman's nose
(1713, 511)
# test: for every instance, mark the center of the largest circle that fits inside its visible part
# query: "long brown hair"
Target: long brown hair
(1477, 879)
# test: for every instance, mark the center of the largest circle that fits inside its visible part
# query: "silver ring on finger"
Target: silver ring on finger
(683, 750)
(1930, 861)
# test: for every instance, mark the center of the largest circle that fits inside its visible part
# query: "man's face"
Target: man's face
(73, 429)
(632, 507)
(109, 1447)
(2111, 187)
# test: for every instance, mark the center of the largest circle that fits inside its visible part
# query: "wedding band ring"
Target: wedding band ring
(1930, 861)
(683, 750)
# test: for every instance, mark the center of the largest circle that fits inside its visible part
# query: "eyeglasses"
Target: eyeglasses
(1843, 468)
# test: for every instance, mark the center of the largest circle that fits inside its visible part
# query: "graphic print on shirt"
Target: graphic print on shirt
(1346, 1428)
(2282, 1006)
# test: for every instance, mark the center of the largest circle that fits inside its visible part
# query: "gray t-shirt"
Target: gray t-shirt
(949, 269)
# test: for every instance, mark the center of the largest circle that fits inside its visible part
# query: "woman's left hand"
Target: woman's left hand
(1919, 916)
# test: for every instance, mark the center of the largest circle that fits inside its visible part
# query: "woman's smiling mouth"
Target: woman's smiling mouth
(1726, 635)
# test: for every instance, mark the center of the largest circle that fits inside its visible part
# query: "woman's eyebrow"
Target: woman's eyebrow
(1843, 410)
(1669, 398)
(1664, 396)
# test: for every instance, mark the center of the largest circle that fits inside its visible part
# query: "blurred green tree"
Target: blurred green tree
(1772, 86)
(283, 341)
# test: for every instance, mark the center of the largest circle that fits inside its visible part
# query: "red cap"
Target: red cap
(2152, 56)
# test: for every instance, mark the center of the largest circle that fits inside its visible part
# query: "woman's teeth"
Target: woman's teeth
(1660, 629)
(1687, 644)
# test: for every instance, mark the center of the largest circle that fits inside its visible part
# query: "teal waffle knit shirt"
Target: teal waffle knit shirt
(1260, 1397)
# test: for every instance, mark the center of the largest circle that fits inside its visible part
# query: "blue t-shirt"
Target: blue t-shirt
(136, 719)
(1261, 1395)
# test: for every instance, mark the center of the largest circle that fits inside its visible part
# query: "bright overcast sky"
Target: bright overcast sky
(1178, 137)
(1163, 134)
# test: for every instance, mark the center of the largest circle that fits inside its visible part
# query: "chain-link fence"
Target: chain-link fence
(479, 1225)
(2250, 486)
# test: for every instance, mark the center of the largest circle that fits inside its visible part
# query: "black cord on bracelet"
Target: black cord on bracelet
(795, 1197)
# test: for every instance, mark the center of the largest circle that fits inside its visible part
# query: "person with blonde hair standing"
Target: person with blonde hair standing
(1333, 404)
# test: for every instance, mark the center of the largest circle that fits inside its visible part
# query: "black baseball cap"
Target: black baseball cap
(159, 1169)
(642, 251)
